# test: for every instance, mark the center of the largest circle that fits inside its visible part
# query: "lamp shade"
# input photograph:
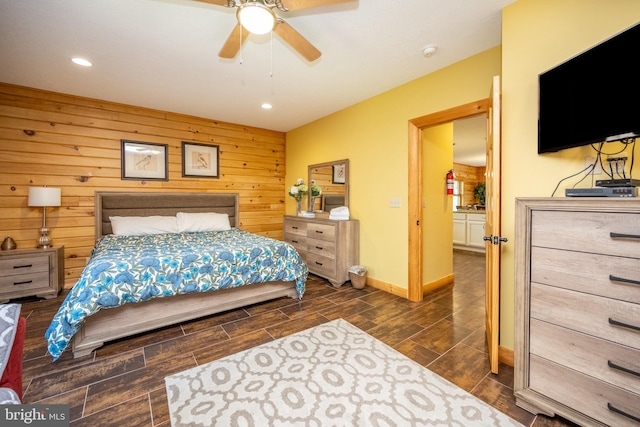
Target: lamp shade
(256, 17)
(44, 196)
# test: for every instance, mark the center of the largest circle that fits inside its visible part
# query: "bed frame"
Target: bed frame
(131, 319)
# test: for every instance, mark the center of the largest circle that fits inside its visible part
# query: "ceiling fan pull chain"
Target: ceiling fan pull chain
(241, 58)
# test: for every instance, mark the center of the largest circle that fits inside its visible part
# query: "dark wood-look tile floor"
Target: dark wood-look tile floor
(122, 383)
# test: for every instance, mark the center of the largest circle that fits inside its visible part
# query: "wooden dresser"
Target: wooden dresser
(28, 272)
(577, 309)
(328, 247)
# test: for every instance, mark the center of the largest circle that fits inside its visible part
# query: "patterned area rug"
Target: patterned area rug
(330, 375)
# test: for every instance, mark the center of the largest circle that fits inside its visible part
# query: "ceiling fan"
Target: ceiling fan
(259, 17)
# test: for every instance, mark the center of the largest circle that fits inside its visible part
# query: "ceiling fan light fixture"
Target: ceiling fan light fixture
(256, 18)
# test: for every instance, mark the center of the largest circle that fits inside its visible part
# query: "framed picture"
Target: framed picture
(338, 174)
(144, 160)
(200, 160)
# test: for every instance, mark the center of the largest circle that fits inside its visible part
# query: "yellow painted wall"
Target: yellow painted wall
(538, 35)
(437, 212)
(373, 136)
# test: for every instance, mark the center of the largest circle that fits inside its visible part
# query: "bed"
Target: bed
(162, 288)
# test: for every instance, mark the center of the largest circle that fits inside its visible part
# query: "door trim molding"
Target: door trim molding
(414, 291)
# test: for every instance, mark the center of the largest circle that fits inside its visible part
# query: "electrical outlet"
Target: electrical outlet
(395, 202)
(616, 165)
(589, 161)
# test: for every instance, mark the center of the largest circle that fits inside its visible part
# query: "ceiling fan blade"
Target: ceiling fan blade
(306, 4)
(218, 2)
(232, 45)
(296, 41)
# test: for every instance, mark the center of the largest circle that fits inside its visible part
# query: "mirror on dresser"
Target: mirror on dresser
(333, 179)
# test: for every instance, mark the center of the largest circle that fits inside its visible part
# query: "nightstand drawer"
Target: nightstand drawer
(24, 282)
(29, 272)
(10, 266)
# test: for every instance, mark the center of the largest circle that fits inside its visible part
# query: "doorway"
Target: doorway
(490, 106)
(415, 183)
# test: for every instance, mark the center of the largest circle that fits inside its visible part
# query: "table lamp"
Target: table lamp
(43, 197)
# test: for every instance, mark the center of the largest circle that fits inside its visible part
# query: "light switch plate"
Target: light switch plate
(395, 202)
(588, 161)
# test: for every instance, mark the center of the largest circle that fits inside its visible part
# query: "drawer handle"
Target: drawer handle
(622, 368)
(624, 325)
(319, 247)
(621, 412)
(26, 282)
(319, 263)
(294, 241)
(294, 227)
(623, 280)
(319, 232)
(23, 266)
(623, 236)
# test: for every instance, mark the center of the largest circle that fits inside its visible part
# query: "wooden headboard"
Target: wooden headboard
(330, 201)
(116, 203)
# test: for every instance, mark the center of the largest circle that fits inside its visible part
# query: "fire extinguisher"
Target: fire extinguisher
(450, 178)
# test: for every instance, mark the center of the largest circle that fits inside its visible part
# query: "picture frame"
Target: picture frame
(200, 160)
(339, 173)
(144, 161)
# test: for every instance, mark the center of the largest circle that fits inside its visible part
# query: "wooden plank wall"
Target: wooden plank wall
(74, 143)
(470, 176)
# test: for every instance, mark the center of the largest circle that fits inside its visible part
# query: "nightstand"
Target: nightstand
(28, 272)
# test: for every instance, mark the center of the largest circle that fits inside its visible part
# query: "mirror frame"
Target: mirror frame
(332, 163)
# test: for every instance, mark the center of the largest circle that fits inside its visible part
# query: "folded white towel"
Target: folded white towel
(340, 210)
(339, 217)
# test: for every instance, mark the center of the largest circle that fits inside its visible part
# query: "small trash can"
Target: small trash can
(358, 276)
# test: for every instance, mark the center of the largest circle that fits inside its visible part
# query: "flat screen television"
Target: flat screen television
(591, 97)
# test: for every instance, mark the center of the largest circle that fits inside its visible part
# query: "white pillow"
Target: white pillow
(141, 225)
(202, 221)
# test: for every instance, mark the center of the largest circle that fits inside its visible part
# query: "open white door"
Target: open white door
(492, 226)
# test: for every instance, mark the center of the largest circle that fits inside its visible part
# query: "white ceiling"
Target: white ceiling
(162, 54)
(470, 141)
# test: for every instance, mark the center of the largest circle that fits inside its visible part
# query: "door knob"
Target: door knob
(494, 239)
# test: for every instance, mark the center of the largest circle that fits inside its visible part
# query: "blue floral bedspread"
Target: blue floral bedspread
(126, 269)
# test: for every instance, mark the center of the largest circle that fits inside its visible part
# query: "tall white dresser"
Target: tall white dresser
(577, 309)
(328, 247)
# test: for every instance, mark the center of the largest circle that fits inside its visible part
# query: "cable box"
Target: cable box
(618, 182)
(601, 192)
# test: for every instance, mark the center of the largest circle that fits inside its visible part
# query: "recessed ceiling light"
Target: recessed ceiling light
(81, 61)
(267, 106)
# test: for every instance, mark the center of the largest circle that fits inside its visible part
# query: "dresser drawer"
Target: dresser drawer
(605, 275)
(321, 231)
(592, 356)
(587, 231)
(322, 266)
(297, 241)
(589, 314)
(322, 248)
(292, 226)
(10, 266)
(583, 393)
